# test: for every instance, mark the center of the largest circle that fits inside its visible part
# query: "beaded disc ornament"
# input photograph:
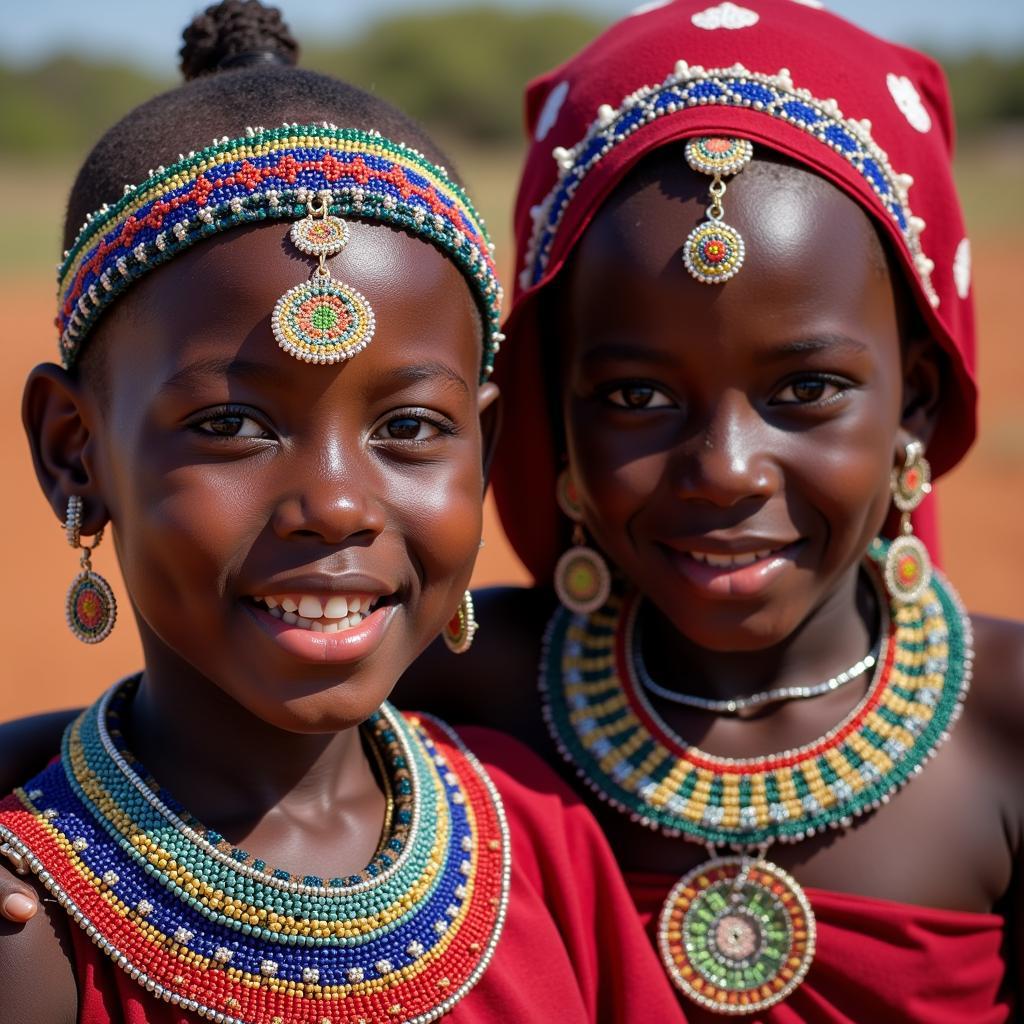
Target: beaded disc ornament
(604, 724)
(736, 935)
(91, 607)
(322, 320)
(209, 927)
(462, 626)
(713, 252)
(908, 566)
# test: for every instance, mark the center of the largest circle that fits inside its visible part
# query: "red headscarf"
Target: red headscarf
(871, 117)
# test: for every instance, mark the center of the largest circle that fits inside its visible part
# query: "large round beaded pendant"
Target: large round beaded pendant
(908, 569)
(323, 320)
(90, 607)
(737, 936)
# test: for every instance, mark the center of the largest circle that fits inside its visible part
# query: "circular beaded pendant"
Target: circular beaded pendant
(323, 320)
(582, 579)
(716, 155)
(319, 236)
(736, 936)
(713, 252)
(908, 569)
(91, 607)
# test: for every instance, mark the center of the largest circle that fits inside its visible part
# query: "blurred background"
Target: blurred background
(68, 70)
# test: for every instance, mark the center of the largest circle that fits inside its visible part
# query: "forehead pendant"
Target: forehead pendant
(322, 320)
(714, 251)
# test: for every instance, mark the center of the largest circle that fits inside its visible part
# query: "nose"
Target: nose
(727, 459)
(331, 496)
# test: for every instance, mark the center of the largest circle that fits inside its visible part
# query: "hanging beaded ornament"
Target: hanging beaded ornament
(728, 945)
(322, 320)
(908, 566)
(582, 578)
(462, 626)
(714, 252)
(90, 606)
(208, 927)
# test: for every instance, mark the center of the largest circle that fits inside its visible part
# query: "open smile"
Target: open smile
(736, 573)
(333, 628)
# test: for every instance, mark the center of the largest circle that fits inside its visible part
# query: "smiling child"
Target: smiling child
(274, 390)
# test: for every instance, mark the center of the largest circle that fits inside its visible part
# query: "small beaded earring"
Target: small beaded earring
(462, 626)
(90, 607)
(908, 566)
(582, 579)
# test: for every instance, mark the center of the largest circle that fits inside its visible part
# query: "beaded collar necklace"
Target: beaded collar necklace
(737, 933)
(208, 927)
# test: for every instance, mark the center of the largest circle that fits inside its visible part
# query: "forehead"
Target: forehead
(217, 298)
(808, 245)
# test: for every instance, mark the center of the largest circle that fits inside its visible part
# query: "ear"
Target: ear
(922, 390)
(489, 408)
(57, 414)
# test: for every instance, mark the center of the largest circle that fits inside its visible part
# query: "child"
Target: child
(270, 391)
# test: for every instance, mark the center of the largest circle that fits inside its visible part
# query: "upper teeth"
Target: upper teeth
(320, 614)
(727, 560)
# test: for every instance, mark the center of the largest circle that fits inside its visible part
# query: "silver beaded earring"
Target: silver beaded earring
(91, 607)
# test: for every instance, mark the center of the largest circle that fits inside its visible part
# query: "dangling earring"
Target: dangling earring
(462, 626)
(908, 566)
(582, 579)
(91, 607)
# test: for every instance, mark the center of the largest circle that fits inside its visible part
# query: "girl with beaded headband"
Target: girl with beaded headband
(274, 390)
(740, 343)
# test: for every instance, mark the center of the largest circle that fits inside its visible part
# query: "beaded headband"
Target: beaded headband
(313, 174)
(774, 95)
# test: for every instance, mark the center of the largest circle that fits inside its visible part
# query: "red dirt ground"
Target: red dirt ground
(44, 667)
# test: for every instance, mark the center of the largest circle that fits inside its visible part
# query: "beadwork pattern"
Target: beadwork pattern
(737, 937)
(210, 928)
(605, 725)
(322, 321)
(90, 607)
(775, 96)
(713, 252)
(271, 173)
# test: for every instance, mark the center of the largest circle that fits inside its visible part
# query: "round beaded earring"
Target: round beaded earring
(908, 566)
(91, 607)
(582, 579)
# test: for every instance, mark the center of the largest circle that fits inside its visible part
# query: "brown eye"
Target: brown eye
(404, 428)
(808, 390)
(816, 390)
(638, 396)
(231, 424)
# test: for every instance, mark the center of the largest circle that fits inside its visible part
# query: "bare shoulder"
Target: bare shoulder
(37, 979)
(28, 744)
(495, 682)
(994, 711)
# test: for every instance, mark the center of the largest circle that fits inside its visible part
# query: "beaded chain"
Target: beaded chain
(774, 95)
(272, 173)
(605, 725)
(211, 928)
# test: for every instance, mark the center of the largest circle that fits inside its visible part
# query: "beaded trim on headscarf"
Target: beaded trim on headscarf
(278, 172)
(774, 95)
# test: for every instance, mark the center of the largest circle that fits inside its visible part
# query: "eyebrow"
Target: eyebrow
(230, 367)
(418, 373)
(618, 351)
(828, 342)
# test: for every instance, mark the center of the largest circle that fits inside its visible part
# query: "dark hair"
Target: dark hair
(238, 60)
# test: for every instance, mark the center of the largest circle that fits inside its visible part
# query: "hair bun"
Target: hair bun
(236, 33)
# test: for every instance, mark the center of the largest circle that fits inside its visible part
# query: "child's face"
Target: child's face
(233, 472)
(760, 416)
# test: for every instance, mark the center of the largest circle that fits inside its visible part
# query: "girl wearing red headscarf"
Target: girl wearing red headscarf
(740, 348)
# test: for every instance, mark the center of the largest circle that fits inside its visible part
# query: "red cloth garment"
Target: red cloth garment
(893, 103)
(572, 949)
(879, 961)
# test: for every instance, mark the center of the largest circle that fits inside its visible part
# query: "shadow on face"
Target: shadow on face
(761, 416)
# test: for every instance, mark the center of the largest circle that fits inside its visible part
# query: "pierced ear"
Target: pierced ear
(922, 389)
(56, 415)
(490, 410)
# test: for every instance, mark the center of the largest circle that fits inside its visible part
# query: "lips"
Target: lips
(745, 571)
(726, 561)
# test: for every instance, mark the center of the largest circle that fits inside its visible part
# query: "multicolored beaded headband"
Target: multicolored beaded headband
(773, 95)
(314, 174)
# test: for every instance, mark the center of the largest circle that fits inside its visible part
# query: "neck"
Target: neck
(837, 634)
(230, 768)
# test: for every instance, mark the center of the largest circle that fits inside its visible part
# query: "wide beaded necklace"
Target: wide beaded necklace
(737, 933)
(205, 925)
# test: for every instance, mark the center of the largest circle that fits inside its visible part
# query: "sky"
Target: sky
(147, 31)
